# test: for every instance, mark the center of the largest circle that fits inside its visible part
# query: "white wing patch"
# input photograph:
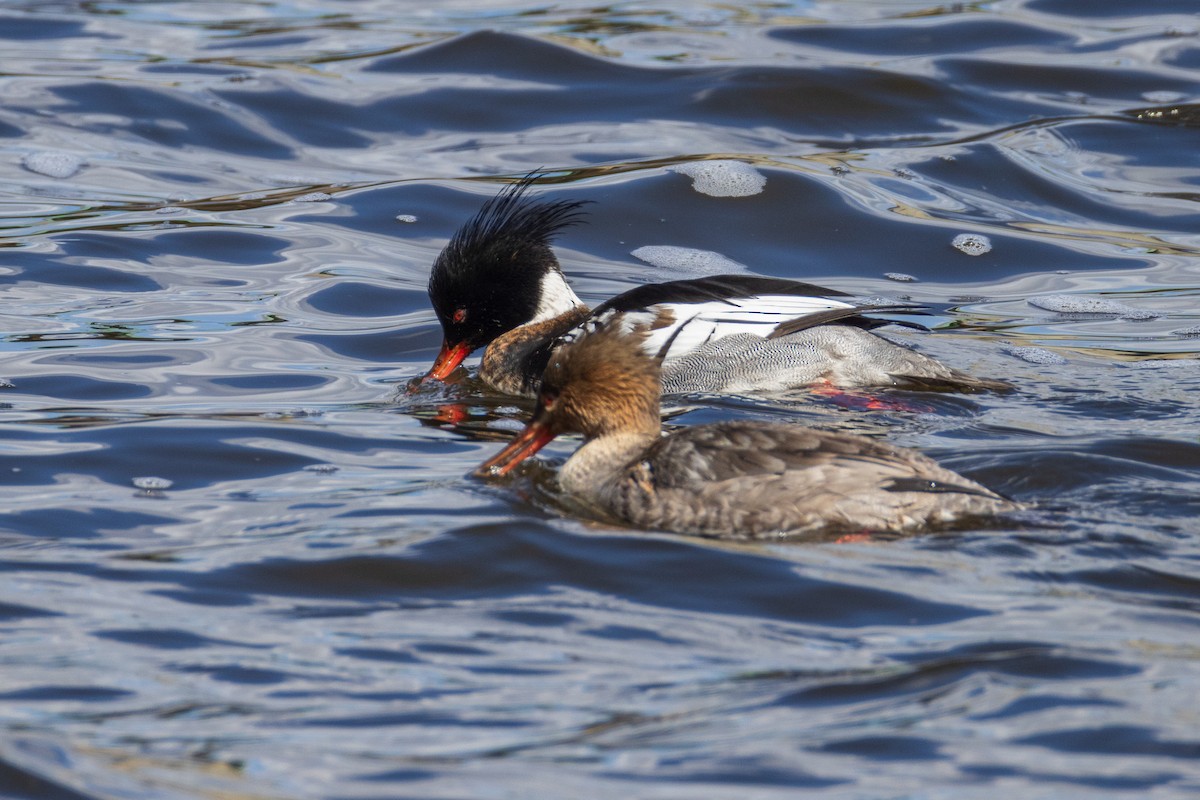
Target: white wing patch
(694, 324)
(688, 326)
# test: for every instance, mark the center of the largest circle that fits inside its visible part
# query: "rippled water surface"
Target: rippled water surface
(235, 565)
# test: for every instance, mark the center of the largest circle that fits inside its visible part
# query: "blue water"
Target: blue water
(236, 565)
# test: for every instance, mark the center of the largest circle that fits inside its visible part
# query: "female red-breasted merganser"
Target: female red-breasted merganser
(748, 479)
(498, 285)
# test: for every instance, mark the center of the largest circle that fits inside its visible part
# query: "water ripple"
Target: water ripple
(239, 561)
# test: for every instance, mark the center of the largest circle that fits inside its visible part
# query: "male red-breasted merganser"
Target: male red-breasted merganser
(498, 285)
(748, 479)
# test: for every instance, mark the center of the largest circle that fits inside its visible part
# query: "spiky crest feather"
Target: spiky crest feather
(492, 271)
(506, 224)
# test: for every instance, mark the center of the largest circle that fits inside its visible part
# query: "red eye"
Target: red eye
(549, 400)
(460, 315)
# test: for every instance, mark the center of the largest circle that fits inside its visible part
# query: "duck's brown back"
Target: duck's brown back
(762, 480)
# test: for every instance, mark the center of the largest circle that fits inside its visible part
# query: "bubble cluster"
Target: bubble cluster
(973, 244)
(1034, 355)
(314, 197)
(687, 260)
(902, 277)
(1163, 96)
(295, 413)
(1074, 304)
(406, 218)
(1188, 333)
(152, 484)
(53, 165)
(873, 300)
(507, 423)
(723, 178)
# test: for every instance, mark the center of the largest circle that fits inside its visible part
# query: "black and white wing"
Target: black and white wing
(679, 317)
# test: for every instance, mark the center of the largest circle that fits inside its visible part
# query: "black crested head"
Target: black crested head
(488, 278)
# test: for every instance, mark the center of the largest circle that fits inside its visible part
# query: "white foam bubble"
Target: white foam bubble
(1188, 333)
(873, 300)
(688, 260)
(314, 197)
(902, 277)
(53, 165)
(295, 413)
(1163, 96)
(152, 484)
(973, 244)
(723, 178)
(1034, 355)
(406, 218)
(1075, 304)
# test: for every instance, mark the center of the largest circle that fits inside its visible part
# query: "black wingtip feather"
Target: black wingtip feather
(852, 316)
(935, 487)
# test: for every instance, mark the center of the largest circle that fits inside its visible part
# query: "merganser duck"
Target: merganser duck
(741, 479)
(498, 285)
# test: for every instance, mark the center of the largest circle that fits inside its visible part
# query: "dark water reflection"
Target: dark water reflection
(235, 566)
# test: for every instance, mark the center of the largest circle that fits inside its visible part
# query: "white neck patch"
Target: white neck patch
(555, 297)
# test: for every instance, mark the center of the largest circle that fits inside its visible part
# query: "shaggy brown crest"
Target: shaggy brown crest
(601, 383)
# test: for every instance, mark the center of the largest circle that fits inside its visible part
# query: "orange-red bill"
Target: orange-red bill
(448, 359)
(535, 436)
